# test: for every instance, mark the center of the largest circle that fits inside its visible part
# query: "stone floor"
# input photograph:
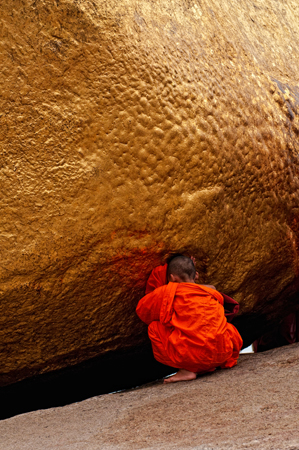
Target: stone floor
(252, 406)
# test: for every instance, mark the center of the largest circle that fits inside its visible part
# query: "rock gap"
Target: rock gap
(101, 375)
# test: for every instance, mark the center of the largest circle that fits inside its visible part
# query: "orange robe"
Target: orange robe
(187, 325)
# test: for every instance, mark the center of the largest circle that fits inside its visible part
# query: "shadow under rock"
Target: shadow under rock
(108, 373)
(251, 327)
(112, 372)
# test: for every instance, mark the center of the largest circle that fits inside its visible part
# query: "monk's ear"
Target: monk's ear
(196, 276)
(171, 278)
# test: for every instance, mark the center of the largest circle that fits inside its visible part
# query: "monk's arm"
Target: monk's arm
(209, 286)
(216, 294)
(148, 308)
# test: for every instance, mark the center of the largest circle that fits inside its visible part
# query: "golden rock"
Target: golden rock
(129, 130)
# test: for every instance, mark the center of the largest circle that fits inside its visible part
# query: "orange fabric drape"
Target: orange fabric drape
(157, 278)
(187, 326)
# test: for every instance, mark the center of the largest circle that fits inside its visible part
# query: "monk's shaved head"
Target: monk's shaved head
(181, 267)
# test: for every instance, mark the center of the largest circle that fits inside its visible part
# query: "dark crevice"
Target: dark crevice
(251, 327)
(101, 375)
(112, 372)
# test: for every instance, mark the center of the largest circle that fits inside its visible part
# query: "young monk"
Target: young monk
(186, 322)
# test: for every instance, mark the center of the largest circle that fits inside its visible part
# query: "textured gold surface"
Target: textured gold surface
(130, 129)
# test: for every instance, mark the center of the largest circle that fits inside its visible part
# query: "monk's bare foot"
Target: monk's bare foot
(181, 375)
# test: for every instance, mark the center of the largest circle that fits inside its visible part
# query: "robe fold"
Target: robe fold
(187, 325)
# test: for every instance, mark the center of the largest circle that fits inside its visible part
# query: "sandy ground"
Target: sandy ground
(252, 406)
